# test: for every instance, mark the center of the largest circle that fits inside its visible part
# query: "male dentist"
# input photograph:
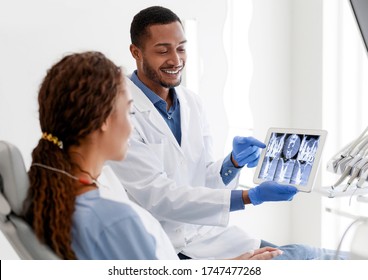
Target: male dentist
(169, 168)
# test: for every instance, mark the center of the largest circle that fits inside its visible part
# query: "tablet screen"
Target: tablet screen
(291, 157)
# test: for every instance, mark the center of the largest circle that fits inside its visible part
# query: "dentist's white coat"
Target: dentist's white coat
(181, 185)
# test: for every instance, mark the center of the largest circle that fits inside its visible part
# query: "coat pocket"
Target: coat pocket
(166, 156)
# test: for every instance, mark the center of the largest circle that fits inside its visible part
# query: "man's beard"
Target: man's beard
(152, 75)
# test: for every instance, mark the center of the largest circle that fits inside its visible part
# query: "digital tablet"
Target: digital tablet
(291, 156)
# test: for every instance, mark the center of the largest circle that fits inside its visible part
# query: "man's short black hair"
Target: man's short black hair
(147, 17)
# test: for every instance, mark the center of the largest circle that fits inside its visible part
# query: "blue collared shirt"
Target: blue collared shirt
(172, 118)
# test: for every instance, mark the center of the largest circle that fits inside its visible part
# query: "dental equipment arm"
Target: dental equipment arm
(347, 170)
(362, 179)
(356, 170)
(352, 161)
(351, 150)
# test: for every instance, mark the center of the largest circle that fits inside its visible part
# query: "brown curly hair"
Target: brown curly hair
(75, 98)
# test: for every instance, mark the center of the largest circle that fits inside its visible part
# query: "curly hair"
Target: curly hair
(147, 17)
(75, 98)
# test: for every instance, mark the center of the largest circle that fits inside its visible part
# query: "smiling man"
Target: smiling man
(159, 51)
(169, 168)
(160, 57)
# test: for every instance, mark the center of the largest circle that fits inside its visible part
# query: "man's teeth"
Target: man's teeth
(171, 72)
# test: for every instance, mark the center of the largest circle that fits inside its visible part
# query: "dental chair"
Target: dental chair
(14, 185)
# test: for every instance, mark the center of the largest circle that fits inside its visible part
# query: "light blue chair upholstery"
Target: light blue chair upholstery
(14, 185)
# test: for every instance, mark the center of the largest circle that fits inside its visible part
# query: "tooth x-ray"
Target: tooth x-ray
(289, 158)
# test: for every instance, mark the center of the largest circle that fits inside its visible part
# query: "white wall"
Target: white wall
(306, 110)
(36, 34)
(285, 38)
(269, 40)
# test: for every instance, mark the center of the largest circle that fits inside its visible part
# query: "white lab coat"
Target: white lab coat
(181, 185)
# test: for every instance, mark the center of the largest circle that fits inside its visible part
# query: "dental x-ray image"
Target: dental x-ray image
(289, 158)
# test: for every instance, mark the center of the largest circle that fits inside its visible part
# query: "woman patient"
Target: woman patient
(75, 205)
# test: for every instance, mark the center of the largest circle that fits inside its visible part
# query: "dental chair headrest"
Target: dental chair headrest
(14, 181)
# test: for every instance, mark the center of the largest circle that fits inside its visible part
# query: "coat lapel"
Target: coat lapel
(148, 110)
(184, 116)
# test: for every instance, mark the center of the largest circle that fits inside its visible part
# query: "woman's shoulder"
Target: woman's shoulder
(91, 205)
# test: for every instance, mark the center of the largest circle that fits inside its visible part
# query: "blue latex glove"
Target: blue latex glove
(246, 150)
(271, 191)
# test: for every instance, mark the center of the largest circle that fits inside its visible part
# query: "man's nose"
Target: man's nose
(175, 59)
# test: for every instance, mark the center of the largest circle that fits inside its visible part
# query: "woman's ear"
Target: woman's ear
(105, 125)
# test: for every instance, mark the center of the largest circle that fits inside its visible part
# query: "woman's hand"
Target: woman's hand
(265, 253)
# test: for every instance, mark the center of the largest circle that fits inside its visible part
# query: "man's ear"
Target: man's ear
(135, 51)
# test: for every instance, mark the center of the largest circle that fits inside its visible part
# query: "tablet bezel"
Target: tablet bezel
(317, 160)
